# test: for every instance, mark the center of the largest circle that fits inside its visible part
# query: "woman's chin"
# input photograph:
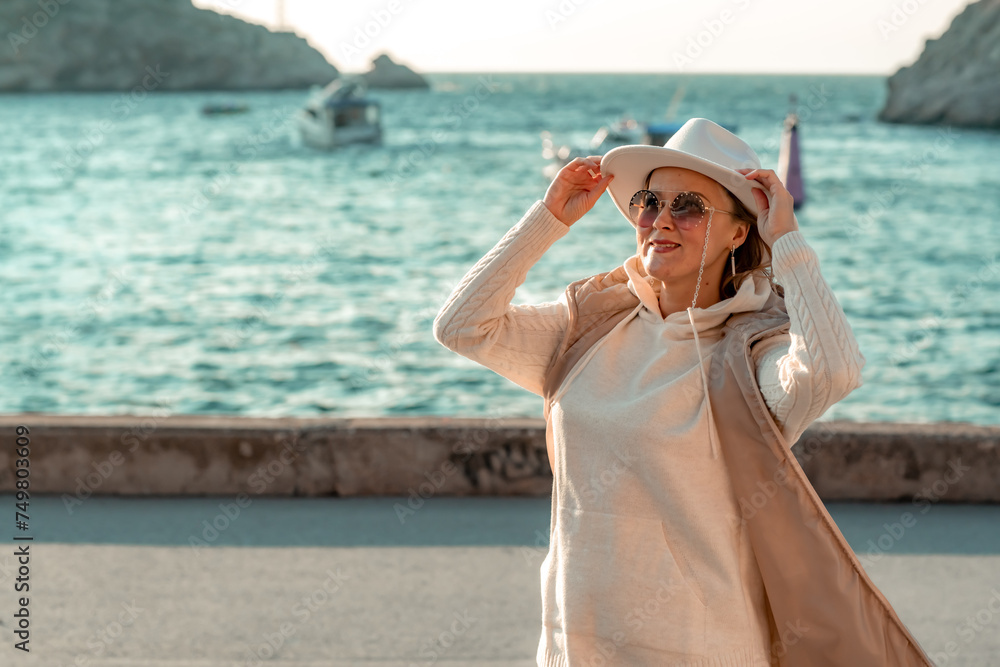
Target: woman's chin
(660, 269)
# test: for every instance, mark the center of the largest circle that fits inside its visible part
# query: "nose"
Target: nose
(663, 219)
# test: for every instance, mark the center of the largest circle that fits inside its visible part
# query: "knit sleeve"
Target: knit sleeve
(801, 374)
(478, 320)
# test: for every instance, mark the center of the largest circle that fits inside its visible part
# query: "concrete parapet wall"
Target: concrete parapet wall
(425, 456)
(946, 461)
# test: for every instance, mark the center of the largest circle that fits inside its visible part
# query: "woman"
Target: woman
(660, 553)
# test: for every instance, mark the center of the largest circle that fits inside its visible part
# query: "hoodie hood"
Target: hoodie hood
(752, 295)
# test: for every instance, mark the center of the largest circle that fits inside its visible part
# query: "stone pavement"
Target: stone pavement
(341, 581)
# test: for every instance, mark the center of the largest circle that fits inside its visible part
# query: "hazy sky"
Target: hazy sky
(786, 36)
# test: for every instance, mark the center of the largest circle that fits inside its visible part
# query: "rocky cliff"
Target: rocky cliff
(110, 45)
(956, 80)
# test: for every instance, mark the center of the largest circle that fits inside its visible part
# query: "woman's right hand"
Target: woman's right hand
(574, 191)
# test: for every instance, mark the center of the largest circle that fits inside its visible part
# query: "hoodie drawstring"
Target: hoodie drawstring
(697, 345)
(704, 384)
(712, 435)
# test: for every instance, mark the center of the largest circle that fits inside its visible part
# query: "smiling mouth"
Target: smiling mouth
(664, 247)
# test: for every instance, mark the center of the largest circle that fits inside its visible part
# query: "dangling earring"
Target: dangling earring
(732, 260)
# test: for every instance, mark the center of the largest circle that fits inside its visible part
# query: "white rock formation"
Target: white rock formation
(956, 80)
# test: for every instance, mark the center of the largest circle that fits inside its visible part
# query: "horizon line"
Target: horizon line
(637, 73)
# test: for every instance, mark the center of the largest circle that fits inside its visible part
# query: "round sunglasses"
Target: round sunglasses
(687, 208)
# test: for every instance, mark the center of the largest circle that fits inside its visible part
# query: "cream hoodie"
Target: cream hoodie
(647, 562)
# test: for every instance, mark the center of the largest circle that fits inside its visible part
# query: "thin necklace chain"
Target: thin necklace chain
(704, 252)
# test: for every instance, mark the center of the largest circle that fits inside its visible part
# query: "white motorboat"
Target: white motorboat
(340, 114)
(622, 132)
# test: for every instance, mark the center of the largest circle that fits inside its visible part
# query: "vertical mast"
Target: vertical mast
(281, 14)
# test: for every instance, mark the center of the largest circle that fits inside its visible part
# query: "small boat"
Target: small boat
(658, 134)
(622, 132)
(340, 114)
(224, 108)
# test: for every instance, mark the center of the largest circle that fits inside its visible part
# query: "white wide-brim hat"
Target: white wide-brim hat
(699, 145)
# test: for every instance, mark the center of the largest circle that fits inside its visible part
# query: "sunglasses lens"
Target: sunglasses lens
(643, 208)
(687, 210)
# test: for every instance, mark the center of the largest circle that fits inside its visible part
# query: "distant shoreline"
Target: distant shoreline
(243, 91)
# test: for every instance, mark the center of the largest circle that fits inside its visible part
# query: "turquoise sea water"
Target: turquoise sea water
(154, 258)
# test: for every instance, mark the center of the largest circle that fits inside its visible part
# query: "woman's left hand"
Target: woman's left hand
(776, 217)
